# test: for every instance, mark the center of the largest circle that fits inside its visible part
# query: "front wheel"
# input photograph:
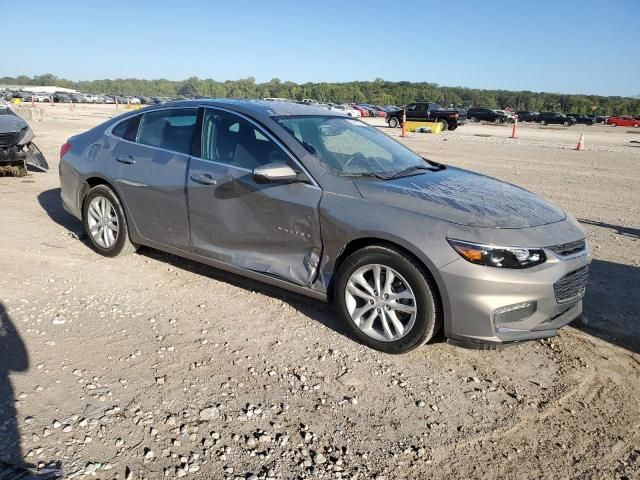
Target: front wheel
(474, 119)
(105, 222)
(543, 122)
(636, 125)
(444, 125)
(614, 124)
(393, 122)
(387, 300)
(566, 124)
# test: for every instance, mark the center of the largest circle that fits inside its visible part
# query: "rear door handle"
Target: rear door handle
(126, 159)
(203, 178)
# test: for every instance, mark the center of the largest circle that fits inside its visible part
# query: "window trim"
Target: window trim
(263, 131)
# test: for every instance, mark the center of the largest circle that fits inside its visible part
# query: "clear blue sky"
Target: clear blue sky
(554, 46)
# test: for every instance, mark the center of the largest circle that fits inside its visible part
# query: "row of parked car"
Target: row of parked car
(350, 109)
(66, 97)
(450, 118)
(549, 118)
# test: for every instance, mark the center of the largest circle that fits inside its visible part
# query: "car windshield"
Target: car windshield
(351, 147)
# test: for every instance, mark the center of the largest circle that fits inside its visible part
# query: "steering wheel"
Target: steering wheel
(357, 157)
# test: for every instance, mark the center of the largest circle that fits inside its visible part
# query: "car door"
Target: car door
(150, 167)
(420, 113)
(412, 111)
(271, 228)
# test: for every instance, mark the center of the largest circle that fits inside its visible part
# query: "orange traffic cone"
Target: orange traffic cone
(514, 132)
(580, 145)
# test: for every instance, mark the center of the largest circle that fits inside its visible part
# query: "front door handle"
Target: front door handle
(203, 178)
(126, 159)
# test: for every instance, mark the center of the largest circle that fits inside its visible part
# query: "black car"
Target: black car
(60, 97)
(555, 118)
(527, 116)
(485, 115)
(599, 118)
(426, 112)
(580, 118)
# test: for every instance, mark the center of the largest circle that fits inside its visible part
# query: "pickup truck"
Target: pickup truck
(426, 112)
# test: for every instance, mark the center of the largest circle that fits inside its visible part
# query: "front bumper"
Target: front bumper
(19, 155)
(475, 293)
(14, 155)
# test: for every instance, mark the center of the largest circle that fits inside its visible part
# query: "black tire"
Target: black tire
(543, 122)
(474, 119)
(393, 122)
(445, 125)
(567, 124)
(428, 316)
(636, 125)
(614, 124)
(123, 244)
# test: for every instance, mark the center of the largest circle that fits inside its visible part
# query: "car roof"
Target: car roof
(258, 108)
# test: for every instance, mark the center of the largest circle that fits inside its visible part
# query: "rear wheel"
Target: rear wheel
(543, 122)
(445, 125)
(393, 122)
(105, 223)
(474, 119)
(614, 124)
(566, 124)
(387, 300)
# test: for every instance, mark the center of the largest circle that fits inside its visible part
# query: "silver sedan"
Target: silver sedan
(324, 205)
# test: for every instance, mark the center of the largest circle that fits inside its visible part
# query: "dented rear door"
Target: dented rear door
(271, 228)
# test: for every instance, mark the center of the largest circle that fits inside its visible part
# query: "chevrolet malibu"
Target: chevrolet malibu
(326, 206)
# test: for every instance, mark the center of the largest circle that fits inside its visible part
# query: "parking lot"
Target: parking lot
(151, 365)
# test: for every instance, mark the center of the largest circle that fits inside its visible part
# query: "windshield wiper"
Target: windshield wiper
(365, 174)
(412, 170)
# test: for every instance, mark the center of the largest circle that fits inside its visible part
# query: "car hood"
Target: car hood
(463, 197)
(10, 123)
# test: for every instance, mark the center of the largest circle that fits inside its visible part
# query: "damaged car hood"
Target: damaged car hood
(10, 123)
(463, 197)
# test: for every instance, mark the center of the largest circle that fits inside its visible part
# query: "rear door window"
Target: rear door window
(171, 129)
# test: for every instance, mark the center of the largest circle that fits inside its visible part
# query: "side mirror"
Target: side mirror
(274, 172)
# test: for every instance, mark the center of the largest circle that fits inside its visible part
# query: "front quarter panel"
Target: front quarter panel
(345, 219)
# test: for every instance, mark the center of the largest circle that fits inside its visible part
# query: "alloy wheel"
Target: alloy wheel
(380, 302)
(102, 220)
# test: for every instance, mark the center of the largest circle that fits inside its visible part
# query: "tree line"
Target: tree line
(379, 92)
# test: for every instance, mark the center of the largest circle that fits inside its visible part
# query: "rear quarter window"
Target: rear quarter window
(127, 129)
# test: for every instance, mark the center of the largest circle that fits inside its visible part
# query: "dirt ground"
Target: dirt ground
(151, 366)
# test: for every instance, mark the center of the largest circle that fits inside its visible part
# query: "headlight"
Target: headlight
(26, 135)
(494, 256)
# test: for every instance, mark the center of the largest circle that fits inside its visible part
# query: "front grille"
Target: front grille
(9, 139)
(572, 286)
(568, 249)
